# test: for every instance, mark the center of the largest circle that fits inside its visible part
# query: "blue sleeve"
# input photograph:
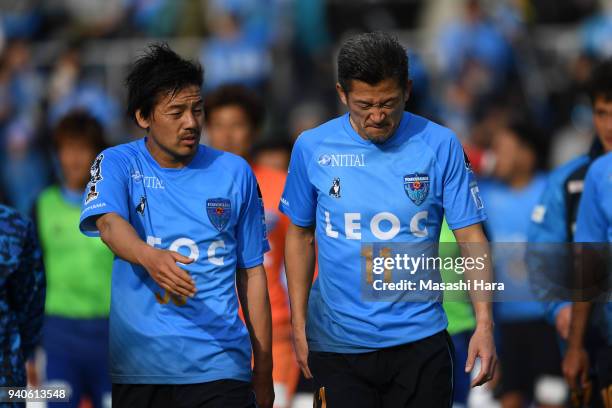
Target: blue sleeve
(591, 224)
(252, 241)
(106, 192)
(462, 203)
(27, 292)
(548, 219)
(299, 200)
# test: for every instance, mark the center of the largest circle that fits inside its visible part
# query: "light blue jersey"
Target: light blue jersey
(209, 211)
(594, 223)
(355, 191)
(509, 220)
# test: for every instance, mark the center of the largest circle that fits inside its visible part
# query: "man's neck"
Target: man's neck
(520, 180)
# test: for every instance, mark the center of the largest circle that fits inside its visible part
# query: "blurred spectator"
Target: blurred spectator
(70, 89)
(20, 19)
(96, 18)
(596, 33)
(22, 297)
(75, 335)
(232, 54)
(525, 335)
(155, 18)
(474, 41)
(234, 116)
(273, 154)
(20, 95)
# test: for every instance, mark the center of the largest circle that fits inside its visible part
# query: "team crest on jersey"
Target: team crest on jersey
(140, 208)
(219, 211)
(416, 186)
(334, 190)
(95, 172)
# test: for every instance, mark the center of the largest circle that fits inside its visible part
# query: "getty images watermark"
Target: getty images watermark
(415, 272)
(411, 265)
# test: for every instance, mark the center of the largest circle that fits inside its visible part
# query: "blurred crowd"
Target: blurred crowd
(472, 63)
(476, 66)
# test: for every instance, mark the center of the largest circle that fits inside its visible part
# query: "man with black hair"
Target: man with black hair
(376, 175)
(186, 224)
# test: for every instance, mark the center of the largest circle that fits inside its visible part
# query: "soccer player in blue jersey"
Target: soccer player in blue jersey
(376, 174)
(185, 222)
(593, 225)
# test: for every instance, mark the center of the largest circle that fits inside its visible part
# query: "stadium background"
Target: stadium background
(473, 66)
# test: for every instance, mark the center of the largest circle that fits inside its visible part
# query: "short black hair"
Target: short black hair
(79, 125)
(159, 71)
(371, 58)
(236, 95)
(600, 83)
(531, 136)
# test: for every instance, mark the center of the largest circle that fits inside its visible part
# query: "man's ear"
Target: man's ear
(408, 90)
(341, 94)
(141, 120)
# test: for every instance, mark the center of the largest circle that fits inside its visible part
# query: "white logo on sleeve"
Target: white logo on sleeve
(95, 172)
(537, 216)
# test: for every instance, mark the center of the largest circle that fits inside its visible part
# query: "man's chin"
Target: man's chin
(378, 138)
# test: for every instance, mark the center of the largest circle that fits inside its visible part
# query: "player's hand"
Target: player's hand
(482, 346)
(161, 265)
(32, 373)
(562, 321)
(576, 367)
(301, 350)
(263, 387)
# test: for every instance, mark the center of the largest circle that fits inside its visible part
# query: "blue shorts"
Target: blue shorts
(77, 355)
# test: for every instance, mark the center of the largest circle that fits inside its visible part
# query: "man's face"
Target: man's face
(375, 110)
(511, 156)
(75, 157)
(602, 120)
(175, 124)
(228, 128)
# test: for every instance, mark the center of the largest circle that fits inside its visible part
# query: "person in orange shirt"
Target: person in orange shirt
(234, 115)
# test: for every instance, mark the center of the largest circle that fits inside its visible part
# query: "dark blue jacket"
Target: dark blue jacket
(22, 295)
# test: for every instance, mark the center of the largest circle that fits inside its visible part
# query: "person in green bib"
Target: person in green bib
(75, 333)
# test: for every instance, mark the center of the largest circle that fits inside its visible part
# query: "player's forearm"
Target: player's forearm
(299, 268)
(578, 323)
(253, 293)
(474, 245)
(121, 238)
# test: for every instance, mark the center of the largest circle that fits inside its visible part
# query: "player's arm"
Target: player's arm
(576, 361)
(590, 227)
(299, 268)
(474, 244)
(252, 287)
(122, 239)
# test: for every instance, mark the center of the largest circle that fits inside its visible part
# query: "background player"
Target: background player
(175, 334)
(593, 225)
(76, 310)
(234, 117)
(366, 353)
(525, 335)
